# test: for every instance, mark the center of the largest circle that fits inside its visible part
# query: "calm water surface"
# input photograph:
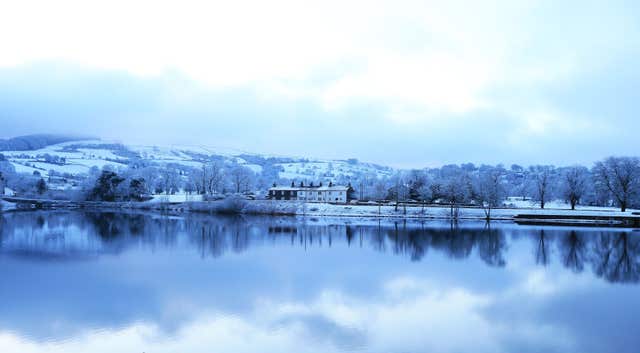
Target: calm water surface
(104, 282)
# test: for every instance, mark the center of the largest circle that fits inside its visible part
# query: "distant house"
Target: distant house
(331, 193)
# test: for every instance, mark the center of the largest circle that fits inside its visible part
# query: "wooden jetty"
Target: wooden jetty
(599, 220)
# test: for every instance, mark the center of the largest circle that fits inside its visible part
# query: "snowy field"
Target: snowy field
(328, 169)
(81, 156)
(176, 198)
(77, 161)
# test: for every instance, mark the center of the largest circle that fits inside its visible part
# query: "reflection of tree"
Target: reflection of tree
(3, 230)
(573, 251)
(378, 238)
(418, 246)
(542, 250)
(491, 247)
(211, 239)
(349, 234)
(240, 234)
(616, 257)
(106, 224)
(409, 241)
(40, 221)
(455, 242)
(136, 224)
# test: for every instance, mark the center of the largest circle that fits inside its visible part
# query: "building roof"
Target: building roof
(310, 188)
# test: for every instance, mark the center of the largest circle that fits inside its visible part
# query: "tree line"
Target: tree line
(137, 183)
(614, 181)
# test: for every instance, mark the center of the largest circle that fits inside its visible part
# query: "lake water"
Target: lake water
(109, 282)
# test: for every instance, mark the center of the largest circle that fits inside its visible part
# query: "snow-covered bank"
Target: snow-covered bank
(236, 205)
(176, 198)
(436, 212)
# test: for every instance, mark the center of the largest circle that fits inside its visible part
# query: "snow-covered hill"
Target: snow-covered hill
(76, 158)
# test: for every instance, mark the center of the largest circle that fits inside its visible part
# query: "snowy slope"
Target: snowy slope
(327, 169)
(78, 157)
(77, 161)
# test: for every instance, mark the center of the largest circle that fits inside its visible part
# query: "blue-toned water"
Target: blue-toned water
(109, 282)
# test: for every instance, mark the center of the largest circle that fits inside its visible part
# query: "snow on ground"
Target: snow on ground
(100, 163)
(181, 152)
(71, 167)
(54, 149)
(74, 167)
(208, 150)
(190, 164)
(184, 155)
(323, 168)
(158, 153)
(517, 202)
(98, 154)
(77, 161)
(176, 198)
(89, 153)
(254, 167)
(21, 168)
(325, 209)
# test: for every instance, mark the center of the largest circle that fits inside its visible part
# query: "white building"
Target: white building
(331, 193)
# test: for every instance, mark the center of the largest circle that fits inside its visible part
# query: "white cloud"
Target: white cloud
(435, 81)
(439, 56)
(422, 69)
(409, 314)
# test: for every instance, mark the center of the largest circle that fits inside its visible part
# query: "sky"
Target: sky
(401, 83)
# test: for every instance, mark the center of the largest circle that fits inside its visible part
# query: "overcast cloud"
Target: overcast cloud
(404, 83)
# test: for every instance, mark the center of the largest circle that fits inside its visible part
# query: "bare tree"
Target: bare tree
(379, 189)
(213, 176)
(574, 184)
(620, 176)
(241, 178)
(541, 177)
(398, 190)
(489, 189)
(170, 181)
(426, 194)
(456, 191)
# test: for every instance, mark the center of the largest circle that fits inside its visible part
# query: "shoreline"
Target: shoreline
(524, 216)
